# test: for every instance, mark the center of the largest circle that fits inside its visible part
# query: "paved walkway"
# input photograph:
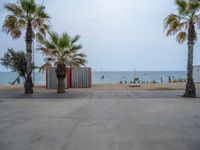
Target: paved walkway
(100, 120)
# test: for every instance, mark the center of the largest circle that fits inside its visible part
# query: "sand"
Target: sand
(166, 86)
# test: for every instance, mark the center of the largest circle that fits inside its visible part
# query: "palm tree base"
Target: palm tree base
(190, 90)
(28, 89)
(61, 74)
(61, 91)
(61, 86)
(28, 86)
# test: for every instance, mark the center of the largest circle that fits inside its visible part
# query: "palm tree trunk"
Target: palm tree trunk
(190, 86)
(29, 39)
(61, 74)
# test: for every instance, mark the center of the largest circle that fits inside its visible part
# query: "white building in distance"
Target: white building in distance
(196, 74)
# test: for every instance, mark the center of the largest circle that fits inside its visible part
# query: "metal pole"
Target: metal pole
(33, 62)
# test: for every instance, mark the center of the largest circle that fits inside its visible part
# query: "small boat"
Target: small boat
(136, 80)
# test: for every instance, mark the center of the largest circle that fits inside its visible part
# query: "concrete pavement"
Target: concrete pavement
(100, 123)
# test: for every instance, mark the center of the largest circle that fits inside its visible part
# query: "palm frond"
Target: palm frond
(64, 41)
(40, 22)
(22, 23)
(9, 23)
(181, 37)
(14, 9)
(77, 59)
(22, 12)
(193, 6)
(182, 6)
(80, 55)
(48, 44)
(54, 38)
(40, 12)
(174, 28)
(77, 62)
(174, 24)
(72, 50)
(41, 32)
(197, 20)
(49, 52)
(55, 52)
(184, 24)
(63, 49)
(170, 19)
(39, 37)
(45, 66)
(29, 6)
(75, 39)
(75, 48)
(13, 26)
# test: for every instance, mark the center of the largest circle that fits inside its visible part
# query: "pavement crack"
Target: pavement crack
(69, 135)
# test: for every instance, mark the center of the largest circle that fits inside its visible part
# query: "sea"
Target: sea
(108, 77)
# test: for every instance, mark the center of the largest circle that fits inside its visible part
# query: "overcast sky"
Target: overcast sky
(117, 35)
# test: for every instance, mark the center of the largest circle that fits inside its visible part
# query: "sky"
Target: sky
(117, 35)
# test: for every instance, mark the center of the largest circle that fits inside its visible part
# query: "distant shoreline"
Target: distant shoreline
(110, 77)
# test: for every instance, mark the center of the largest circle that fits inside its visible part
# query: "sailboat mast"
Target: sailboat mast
(135, 73)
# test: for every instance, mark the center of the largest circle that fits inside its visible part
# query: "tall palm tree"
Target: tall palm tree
(26, 15)
(62, 51)
(184, 25)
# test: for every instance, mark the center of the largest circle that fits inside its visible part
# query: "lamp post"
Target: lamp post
(33, 63)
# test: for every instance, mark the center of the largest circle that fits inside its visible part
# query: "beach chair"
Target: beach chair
(134, 85)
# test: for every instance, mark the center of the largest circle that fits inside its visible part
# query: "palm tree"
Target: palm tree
(26, 15)
(184, 25)
(62, 51)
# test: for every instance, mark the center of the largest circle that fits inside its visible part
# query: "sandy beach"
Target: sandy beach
(149, 91)
(165, 86)
(102, 91)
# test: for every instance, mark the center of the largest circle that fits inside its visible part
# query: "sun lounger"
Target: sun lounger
(134, 85)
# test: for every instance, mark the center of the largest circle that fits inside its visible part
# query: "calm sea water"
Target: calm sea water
(109, 77)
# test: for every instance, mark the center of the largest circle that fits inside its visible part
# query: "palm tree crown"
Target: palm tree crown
(22, 13)
(178, 24)
(62, 49)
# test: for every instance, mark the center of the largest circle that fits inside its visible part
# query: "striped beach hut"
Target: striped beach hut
(77, 77)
